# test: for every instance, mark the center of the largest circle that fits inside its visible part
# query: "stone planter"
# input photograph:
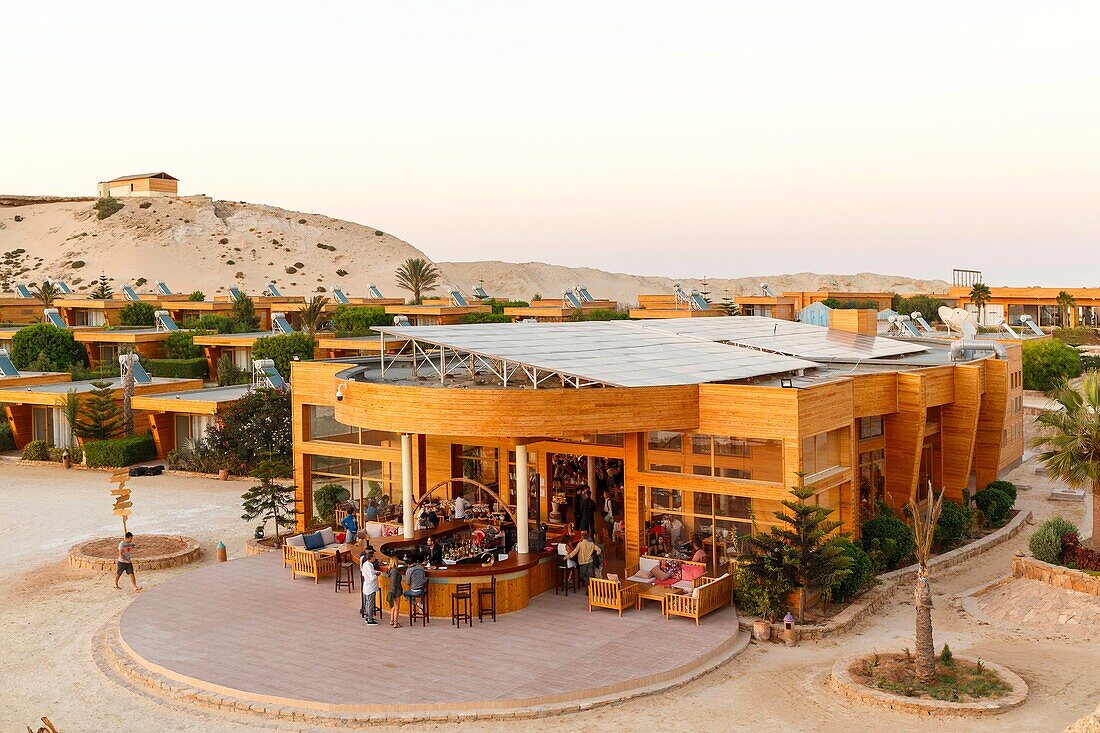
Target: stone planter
(99, 554)
(761, 630)
(223, 474)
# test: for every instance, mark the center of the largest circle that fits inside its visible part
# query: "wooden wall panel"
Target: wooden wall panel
(20, 421)
(958, 427)
(824, 407)
(874, 394)
(939, 385)
(904, 438)
(992, 422)
(163, 427)
(747, 411)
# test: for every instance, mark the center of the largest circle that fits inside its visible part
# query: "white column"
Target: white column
(523, 491)
(407, 485)
(592, 475)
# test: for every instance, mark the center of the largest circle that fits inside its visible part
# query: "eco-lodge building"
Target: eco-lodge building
(713, 419)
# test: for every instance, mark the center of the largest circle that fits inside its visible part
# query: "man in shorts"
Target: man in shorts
(125, 563)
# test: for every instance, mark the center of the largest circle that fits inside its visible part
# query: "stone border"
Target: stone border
(255, 547)
(874, 598)
(844, 684)
(1058, 576)
(117, 660)
(188, 554)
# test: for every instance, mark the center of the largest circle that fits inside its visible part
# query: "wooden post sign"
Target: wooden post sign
(122, 496)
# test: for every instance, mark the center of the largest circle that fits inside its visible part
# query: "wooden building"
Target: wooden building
(712, 420)
(435, 312)
(673, 306)
(105, 344)
(177, 417)
(237, 345)
(141, 184)
(1040, 304)
(881, 301)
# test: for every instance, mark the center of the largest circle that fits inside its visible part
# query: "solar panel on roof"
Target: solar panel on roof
(62, 287)
(272, 290)
(165, 322)
(6, 367)
(236, 293)
(54, 318)
(571, 299)
(582, 291)
(339, 297)
(280, 323)
(479, 293)
(162, 288)
(457, 299)
(375, 293)
(22, 291)
(129, 293)
(140, 375)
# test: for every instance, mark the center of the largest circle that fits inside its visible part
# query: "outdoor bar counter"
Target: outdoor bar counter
(518, 578)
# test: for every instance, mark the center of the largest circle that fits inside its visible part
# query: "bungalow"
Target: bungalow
(178, 417)
(140, 184)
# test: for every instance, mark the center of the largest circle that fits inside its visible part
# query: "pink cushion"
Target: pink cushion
(691, 572)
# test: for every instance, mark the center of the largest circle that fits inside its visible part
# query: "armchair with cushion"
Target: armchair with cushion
(710, 595)
(302, 553)
(611, 593)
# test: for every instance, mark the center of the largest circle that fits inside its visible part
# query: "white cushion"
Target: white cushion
(374, 529)
(640, 578)
(695, 591)
(296, 541)
(646, 565)
(684, 585)
(328, 536)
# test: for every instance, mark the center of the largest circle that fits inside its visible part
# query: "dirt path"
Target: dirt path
(48, 614)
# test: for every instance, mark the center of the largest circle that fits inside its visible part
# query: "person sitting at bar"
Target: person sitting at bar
(417, 581)
(435, 552)
(584, 552)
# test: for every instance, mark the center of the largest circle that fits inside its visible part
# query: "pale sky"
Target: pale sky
(684, 139)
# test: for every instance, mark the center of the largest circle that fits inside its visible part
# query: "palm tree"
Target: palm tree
(924, 528)
(312, 316)
(1065, 302)
(980, 294)
(417, 275)
(45, 292)
(70, 408)
(1069, 438)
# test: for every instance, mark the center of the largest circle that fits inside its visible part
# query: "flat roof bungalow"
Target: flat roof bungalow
(139, 184)
(178, 417)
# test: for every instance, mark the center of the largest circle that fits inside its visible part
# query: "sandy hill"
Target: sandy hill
(197, 243)
(525, 279)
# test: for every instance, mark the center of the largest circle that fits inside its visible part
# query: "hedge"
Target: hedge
(36, 450)
(995, 505)
(178, 368)
(7, 440)
(120, 452)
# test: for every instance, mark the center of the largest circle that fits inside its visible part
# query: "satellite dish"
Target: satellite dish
(959, 319)
(945, 314)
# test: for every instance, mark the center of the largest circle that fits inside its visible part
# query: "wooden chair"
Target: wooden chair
(711, 595)
(487, 601)
(345, 572)
(462, 599)
(311, 564)
(608, 593)
(418, 609)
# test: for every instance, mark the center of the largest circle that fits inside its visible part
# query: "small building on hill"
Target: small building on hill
(142, 184)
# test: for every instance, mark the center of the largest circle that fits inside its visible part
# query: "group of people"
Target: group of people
(412, 585)
(584, 556)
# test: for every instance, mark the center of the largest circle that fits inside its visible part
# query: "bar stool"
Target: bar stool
(461, 604)
(345, 572)
(418, 609)
(487, 607)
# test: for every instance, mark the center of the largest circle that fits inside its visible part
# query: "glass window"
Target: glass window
(870, 427)
(821, 452)
(183, 428)
(669, 468)
(730, 446)
(665, 440)
(479, 463)
(324, 426)
(609, 439)
(700, 444)
(667, 499)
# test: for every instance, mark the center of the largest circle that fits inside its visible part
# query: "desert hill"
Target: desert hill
(197, 243)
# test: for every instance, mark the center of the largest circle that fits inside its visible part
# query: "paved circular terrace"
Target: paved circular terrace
(244, 631)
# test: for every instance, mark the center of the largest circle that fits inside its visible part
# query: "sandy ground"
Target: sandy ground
(49, 613)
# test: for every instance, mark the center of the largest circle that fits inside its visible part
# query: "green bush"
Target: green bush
(485, 318)
(7, 440)
(757, 597)
(119, 452)
(859, 574)
(44, 347)
(1006, 486)
(180, 345)
(602, 314)
(356, 320)
(36, 450)
(925, 305)
(994, 504)
(887, 540)
(1048, 362)
(283, 348)
(953, 524)
(196, 296)
(178, 368)
(1079, 336)
(214, 323)
(137, 313)
(106, 206)
(325, 500)
(498, 306)
(1046, 543)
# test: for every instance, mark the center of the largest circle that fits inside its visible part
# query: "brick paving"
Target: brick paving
(1031, 604)
(246, 626)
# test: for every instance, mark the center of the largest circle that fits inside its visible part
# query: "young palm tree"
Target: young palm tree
(1069, 439)
(45, 292)
(70, 408)
(924, 528)
(312, 316)
(418, 276)
(980, 294)
(1065, 302)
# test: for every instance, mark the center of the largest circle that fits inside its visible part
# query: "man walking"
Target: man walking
(588, 514)
(585, 551)
(370, 586)
(125, 562)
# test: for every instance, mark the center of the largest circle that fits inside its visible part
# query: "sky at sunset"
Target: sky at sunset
(681, 139)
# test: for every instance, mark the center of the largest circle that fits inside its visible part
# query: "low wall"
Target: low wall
(188, 553)
(1055, 575)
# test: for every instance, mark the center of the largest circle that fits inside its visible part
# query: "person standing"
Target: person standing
(460, 506)
(351, 527)
(125, 561)
(370, 586)
(588, 513)
(584, 552)
(393, 595)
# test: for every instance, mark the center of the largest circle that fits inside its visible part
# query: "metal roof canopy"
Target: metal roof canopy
(590, 353)
(801, 340)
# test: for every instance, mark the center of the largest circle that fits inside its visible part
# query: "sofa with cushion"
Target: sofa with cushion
(301, 553)
(689, 576)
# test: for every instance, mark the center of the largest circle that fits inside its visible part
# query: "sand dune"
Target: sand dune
(197, 243)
